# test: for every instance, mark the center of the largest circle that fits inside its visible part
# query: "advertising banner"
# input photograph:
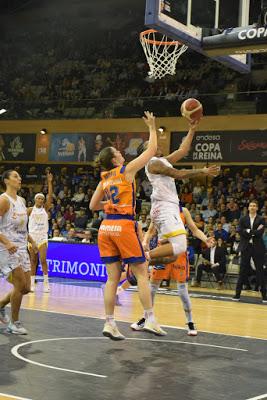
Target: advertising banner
(126, 143)
(17, 147)
(75, 261)
(224, 146)
(72, 147)
(82, 147)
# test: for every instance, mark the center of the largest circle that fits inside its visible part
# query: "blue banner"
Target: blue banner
(75, 147)
(75, 261)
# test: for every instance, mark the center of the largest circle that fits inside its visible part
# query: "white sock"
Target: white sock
(153, 289)
(46, 280)
(184, 296)
(110, 320)
(32, 280)
(149, 315)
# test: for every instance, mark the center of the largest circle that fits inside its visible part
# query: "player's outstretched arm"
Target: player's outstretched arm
(157, 167)
(194, 229)
(185, 145)
(138, 163)
(49, 200)
(96, 202)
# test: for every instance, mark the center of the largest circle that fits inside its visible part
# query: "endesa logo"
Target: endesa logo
(253, 33)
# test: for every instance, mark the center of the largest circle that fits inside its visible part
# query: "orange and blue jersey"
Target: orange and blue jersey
(120, 194)
(118, 238)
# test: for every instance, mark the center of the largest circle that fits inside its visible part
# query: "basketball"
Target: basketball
(192, 110)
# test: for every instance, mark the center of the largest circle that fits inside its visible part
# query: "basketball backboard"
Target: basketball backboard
(189, 21)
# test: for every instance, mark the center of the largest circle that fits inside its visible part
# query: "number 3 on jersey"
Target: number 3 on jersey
(114, 192)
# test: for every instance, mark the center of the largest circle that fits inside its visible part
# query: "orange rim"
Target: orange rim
(156, 42)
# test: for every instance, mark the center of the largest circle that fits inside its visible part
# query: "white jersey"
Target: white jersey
(38, 223)
(13, 224)
(164, 188)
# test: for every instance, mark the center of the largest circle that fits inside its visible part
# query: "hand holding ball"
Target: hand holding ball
(192, 110)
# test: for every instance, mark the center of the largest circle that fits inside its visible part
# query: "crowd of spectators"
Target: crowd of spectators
(61, 69)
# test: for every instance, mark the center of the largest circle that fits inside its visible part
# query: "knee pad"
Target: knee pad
(179, 244)
(154, 287)
(184, 295)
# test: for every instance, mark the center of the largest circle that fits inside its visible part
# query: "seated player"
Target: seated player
(177, 270)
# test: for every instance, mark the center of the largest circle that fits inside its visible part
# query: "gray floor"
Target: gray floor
(143, 367)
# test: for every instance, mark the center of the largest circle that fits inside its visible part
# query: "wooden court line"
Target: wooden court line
(263, 396)
(120, 320)
(4, 396)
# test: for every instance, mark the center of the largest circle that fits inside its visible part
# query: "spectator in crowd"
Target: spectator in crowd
(95, 222)
(63, 193)
(66, 229)
(235, 213)
(199, 222)
(81, 219)
(186, 196)
(220, 232)
(60, 220)
(147, 189)
(78, 197)
(214, 261)
(234, 249)
(210, 212)
(225, 225)
(71, 236)
(231, 236)
(87, 237)
(70, 214)
(57, 235)
(143, 222)
(197, 192)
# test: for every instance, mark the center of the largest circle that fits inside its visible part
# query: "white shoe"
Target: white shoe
(4, 318)
(46, 288)
(139, 325)
(191, 329)
(16, 328)
(155, 328)
(112, 332)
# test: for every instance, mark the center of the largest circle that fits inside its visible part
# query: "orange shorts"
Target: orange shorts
(178, 270)
(118, 240)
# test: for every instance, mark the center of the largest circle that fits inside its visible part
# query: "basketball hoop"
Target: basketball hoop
(161, 53)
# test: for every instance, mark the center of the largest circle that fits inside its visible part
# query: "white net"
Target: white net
(161, 53)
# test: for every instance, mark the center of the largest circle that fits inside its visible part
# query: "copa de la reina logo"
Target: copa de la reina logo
(208, 147)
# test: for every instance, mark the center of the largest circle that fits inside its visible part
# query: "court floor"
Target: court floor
(66, 357)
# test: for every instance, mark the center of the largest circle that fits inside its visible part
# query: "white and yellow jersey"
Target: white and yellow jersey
(38, 224)
(13, 224)
(164, 188)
